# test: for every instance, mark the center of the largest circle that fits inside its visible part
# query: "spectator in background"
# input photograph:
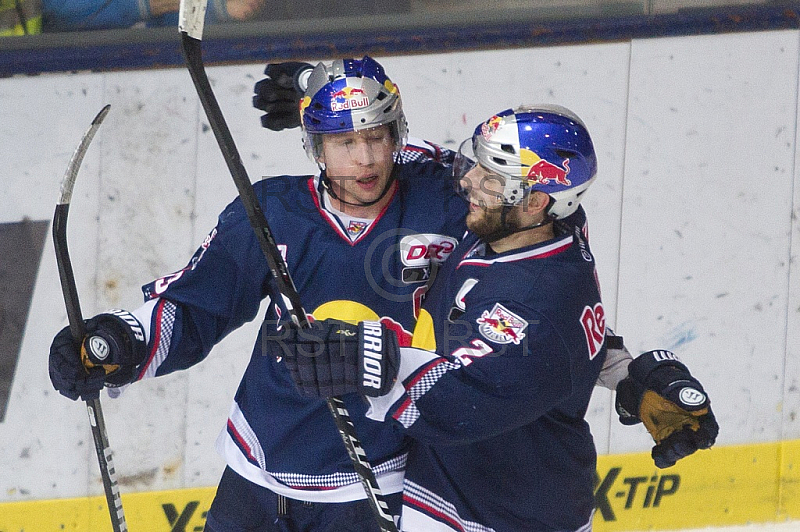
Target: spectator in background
(76, 15)
(20, 17)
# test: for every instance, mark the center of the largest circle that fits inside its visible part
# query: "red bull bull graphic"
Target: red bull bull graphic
(305, 102)
(490, 126)
(542, 172)
(349, 98)
(502, 326)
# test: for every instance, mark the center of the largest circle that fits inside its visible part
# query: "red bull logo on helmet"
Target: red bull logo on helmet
(349, 98)
(542, 172)
(491, 126)
(305, 102)
(502, 326)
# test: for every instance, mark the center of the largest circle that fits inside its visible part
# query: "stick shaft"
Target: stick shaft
(77, 328)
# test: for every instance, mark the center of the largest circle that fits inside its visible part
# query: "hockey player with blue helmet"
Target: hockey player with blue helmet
(502, 152)
(348, 104)
(508, 346)
(287, 468)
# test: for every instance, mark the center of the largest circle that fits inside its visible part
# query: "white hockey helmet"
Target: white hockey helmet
(538, 147)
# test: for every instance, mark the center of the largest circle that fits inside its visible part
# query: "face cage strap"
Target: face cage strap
(326, 182)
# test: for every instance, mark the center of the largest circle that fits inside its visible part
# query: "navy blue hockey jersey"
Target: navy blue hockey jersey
(274, 436)
(506, 352)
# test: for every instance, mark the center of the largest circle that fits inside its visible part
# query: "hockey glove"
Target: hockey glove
(279, 95)
(113, 348)
(333, 358)
(660, 392)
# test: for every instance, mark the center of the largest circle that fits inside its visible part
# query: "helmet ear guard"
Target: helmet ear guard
(543, 147)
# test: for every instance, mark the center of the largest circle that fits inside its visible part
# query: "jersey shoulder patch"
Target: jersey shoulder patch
(502, 326)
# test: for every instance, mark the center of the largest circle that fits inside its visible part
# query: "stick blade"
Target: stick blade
(68, 181)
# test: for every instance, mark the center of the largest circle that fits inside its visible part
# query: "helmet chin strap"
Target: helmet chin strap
(326, 182)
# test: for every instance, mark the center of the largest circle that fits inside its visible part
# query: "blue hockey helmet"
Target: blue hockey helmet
(350, 95)
(539, 147)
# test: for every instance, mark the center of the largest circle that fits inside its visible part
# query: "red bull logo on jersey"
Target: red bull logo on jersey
(502, 326)
(542, 172)
(349, 98)
(354, 312)
(490, 126)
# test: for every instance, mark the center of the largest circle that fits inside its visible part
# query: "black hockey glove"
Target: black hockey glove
(113, 348)
(660, 392)
(279, 95)
(332, 358)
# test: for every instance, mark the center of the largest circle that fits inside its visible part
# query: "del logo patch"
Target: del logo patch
(419, 249)
(502, 326)
(356, 228)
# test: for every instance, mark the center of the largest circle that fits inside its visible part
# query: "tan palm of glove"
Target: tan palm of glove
(661, 393)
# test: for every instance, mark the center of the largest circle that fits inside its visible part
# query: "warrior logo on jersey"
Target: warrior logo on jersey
(349, 98)
(502, 326)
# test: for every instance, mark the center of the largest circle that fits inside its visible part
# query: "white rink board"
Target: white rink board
(691, 221)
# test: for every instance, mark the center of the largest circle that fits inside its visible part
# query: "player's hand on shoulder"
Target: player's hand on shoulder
(333, 358)
(279, 94)
(109, 355)
(661, 393)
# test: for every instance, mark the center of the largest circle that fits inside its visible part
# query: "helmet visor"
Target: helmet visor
(474, 182)
(352, 145)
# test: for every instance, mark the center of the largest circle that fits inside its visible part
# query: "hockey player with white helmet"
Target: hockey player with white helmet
(508, 346)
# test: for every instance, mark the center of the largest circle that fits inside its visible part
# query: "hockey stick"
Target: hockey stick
(76, 326)
(191, 18)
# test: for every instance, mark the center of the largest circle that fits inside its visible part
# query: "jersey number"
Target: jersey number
(467, 354)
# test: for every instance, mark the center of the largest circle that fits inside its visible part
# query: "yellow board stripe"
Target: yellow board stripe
(723, 486)
(178, 510)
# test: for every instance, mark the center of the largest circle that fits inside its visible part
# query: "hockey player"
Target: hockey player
(358, 239)
(374, 207)
(508, 346)
(278, 94)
